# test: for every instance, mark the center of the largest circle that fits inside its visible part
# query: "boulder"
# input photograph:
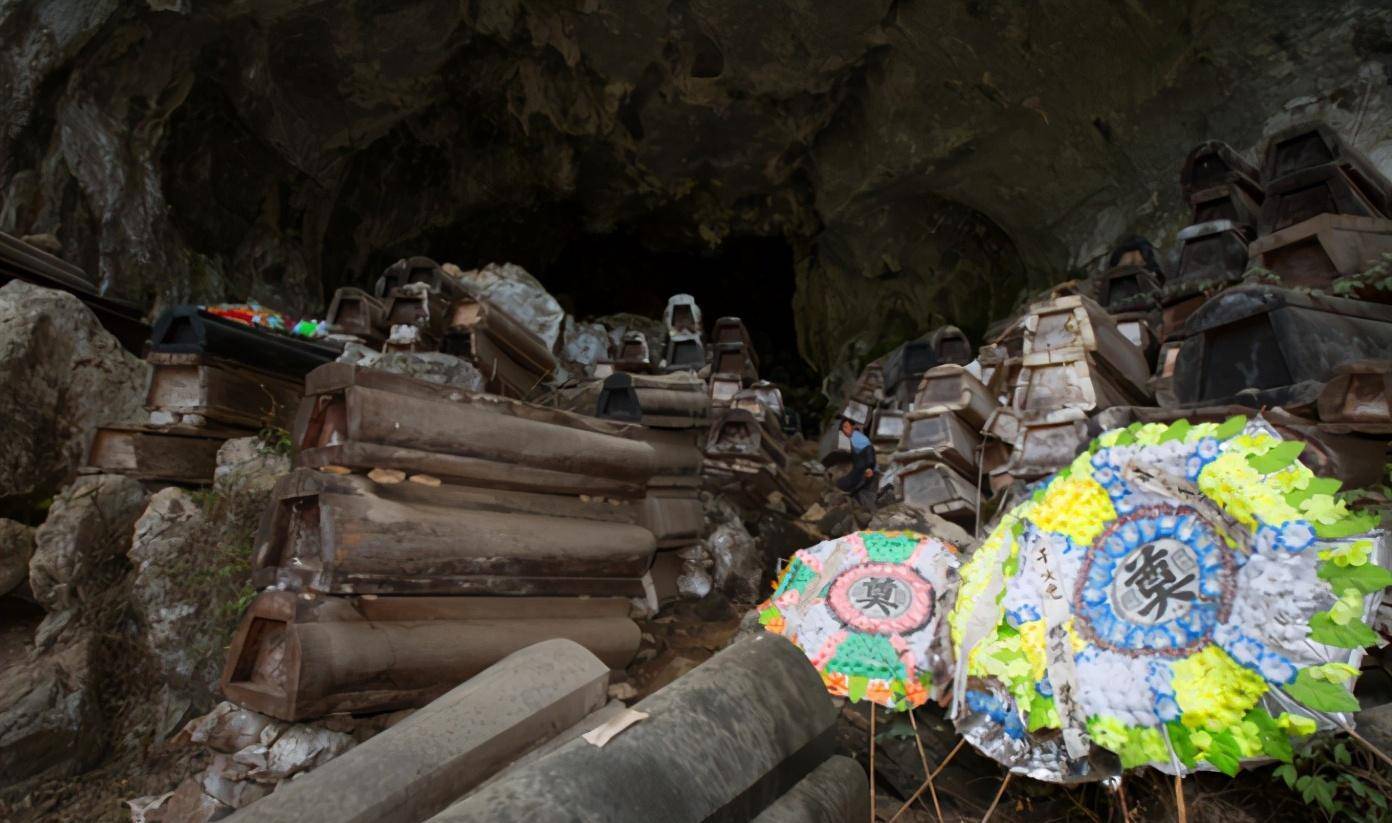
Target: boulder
(88, 527)
(432, 367)
(16, 547)
(247, 465)
(229, 728)
(737, 565)
(160, 594)
(64, 375)
(512, 289)
(900, 516)
(50, 722)
(585, 344)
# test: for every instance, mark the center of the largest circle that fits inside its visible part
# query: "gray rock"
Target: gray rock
(16, 547)
(88, 527)
(160, 590)
(512, 289)
(64, 375)
(432, 367)
(585, 344)
(246, 465)
(902, 516)
(50, 722)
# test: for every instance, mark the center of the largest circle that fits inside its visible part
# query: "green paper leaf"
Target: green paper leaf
(1231, 427)
(1224, 754)
(1348, 527)
(1184, 748)
(1321, 695)
(767, 615)
(1280, 456)
(1274, 742)
(856, 686)
(1354, 635)
(1126, 438)
(1176, 431)
(1039, 711)
(1367, 578)
(1317, 485)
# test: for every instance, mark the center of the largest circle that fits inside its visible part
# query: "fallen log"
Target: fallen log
(693, 758)
(295, 657)
(421, 764)
(345, 535)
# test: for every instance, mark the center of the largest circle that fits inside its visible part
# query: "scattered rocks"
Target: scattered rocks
(158, 592)
(247, 465)
(16, 547)
(64, 375)
(88, 526)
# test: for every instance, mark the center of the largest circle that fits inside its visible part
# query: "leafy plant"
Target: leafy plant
(275, 440)
(1341, 782)
(1377, 277)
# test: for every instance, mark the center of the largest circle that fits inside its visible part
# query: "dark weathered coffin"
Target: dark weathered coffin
(419, 270)
(347, 404)
(423, 763)
(21, 261)
(1214, 162)
(1308, 193)
(618, 400)
(674, 516)
(520, 344)
(1213, 254)
(428, 311)
(633, 349)
(221, 391)
(682, 314)
(685, 351)
(887, 430)
(1315, 145)
(501, 374)
(1047, 443)
(1127, 288)
(1358, 393)
(951, 388)
(1228, 202)
(1315, 253)
(1263, 341)
(734, 358)
(170, 455)
(1140, 328)
(1077, 322)
(730, 330)
(951, 345)
(354, 311)
(834, 792)
(940, 436)
(1073, 379)
(739, 434)
(905, 366)
(296, 658)
(940, 489)
(345, 534)
(696, 756)
(187, 330)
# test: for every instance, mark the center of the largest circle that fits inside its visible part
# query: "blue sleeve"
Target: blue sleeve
(859, 441)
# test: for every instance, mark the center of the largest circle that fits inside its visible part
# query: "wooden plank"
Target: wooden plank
(293, 669)
(674, 521)
(483, 318)
(224, 394)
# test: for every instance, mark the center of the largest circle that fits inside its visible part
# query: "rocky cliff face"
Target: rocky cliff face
(919, 158)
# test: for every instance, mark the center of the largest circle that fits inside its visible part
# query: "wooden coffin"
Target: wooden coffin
(345, 404)
(354, 311)
(940, 436)
(1213, 254)
(674, 516)
(1072, 378)
(1316, 252)
(427, 311)
(501, 374)
(730, 331)
(888, 429)
(221, 391)
(186, 456)
(723, 388)
(1358, 393)
(1265, 343)
(189, 330)
(734, 358)
(520, 344)
(951, 388)
(1140, 328)
(633, 349)
(1214, 163)
(1307, 146)
(1327, 189)
(1226, 202)
(951, 345)
(1077, 322)
(1047, 443)
(419, 270)
(685, 352)
(296, 657)
(1128, 288)
(344, 534)
(682, 314)
(940, 489)
(739, 434)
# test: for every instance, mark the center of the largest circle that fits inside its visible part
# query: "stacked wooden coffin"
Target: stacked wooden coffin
(939, 458)
(426, 532)
(213, 379)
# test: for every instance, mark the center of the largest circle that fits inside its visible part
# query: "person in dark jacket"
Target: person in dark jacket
(862, 481)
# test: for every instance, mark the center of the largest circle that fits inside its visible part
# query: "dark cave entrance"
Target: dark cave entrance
(750, 277)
